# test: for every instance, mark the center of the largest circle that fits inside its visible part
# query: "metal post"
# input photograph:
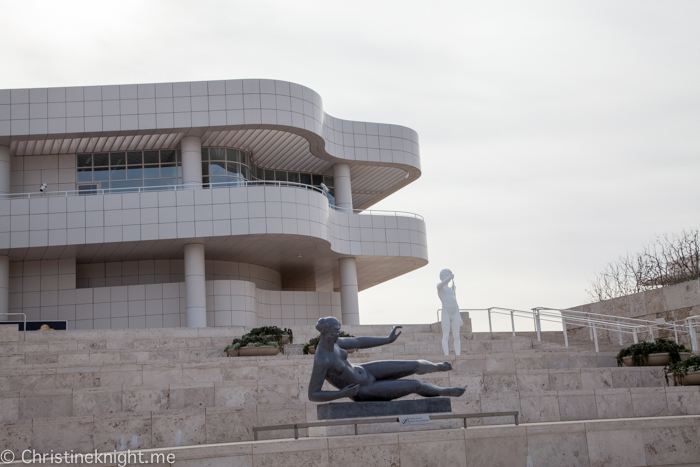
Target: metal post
(563, 325)
(619, 333)
(634, 334)
(490, 328)
(296, 431)
(590, 329)
(675, 332)
(651, 333)
(538, 325)
(595, 337)
(512, 324)
(693, 335)
(465, 422)
(517, 421)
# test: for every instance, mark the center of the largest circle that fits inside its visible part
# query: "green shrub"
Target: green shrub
(273, 331)
(681, 369)
(640, 352)
(315, 340)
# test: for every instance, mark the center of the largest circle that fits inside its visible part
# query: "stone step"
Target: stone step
(159, 428)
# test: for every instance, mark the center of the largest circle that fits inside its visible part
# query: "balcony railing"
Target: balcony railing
(232, 184)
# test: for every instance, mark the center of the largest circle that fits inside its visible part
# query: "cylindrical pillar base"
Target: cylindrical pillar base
(342, 186)
(349, 303)
(4, 287)
(195, 290)
(191, 148)
(4, 169)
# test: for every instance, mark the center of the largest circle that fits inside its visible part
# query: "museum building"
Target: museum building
(219, 203)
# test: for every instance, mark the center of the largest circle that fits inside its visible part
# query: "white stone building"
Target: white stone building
(196, 204)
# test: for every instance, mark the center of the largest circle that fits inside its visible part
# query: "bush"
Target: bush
(313, 342)
(640, 352)
(681, 369)
(273, 331)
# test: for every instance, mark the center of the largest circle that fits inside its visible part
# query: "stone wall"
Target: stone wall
(672, 303)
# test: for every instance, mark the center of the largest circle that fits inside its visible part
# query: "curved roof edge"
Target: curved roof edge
(30, 116)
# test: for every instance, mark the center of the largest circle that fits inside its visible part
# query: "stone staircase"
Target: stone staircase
(118, 389)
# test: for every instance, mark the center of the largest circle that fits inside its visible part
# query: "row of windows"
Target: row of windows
(134, 169)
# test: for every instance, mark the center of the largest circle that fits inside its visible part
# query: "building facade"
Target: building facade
(215, 203)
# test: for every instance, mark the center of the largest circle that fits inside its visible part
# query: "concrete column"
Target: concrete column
(4, 169)
(195, 291)
(349, 303)
(4, 287)
(342, 186)
(191, 149)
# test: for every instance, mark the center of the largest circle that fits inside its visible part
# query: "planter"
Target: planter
(691, 379)
(260, 351)
(232, 353)
(312, 350)
(657, 359)
(283, 340)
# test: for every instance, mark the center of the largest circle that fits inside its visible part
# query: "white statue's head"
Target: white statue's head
(444, 274)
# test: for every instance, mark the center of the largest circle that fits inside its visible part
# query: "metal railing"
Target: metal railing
(365, 421)
(24, 333)
(234, 184)
(594, 323)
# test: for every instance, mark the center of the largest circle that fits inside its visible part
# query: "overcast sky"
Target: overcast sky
(555, 136)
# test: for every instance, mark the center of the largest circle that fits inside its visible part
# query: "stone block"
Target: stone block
(565, 380)
(577, 405)
(144, 399)
(618, 447)
(58, 433)
(9, 333)
(649, 402)
(191, 396)
(496, 384)
(46, 404)
(683, 400)
(613, 403)
(596, 378)
(376, 450)
(122, 431)
(16, 435)
(336, 410)
(672, 445)
(179, 428)
(230, 424)
(484, 449)
(533, 381)
(97, 401)
(443, 447)
(235, 394)
(536, 408)
(560, 446)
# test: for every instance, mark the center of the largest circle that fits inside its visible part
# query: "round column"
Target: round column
(195, 291)
(191, 149)
(4, 287)
(343, 187)
(349, 303)
(4, 169)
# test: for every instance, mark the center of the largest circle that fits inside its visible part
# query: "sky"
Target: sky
(555, 135)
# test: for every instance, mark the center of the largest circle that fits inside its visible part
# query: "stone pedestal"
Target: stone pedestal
(336, 410)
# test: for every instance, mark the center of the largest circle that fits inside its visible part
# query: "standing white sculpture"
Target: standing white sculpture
(450, 311)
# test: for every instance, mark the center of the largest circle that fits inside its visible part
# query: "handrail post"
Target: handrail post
(512, 323)
(693, 334)
(566, 336)
(651, 333)
(675, 332)
(465, 422)
(619, 332)
(538, 325)
(590, 329)
(634, 334)
(296, 431)
(490, 328)
(595, 336)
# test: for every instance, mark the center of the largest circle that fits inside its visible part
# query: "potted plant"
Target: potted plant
(685, 372)
(232, 349)
(658, 353)
(310, 347)
(258, 346)
(282, 336)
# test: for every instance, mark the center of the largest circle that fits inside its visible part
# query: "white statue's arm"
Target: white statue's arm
(443, 283)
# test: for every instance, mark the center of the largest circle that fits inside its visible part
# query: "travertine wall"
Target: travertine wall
(45, 290)
(171, 270)
(28, 173)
